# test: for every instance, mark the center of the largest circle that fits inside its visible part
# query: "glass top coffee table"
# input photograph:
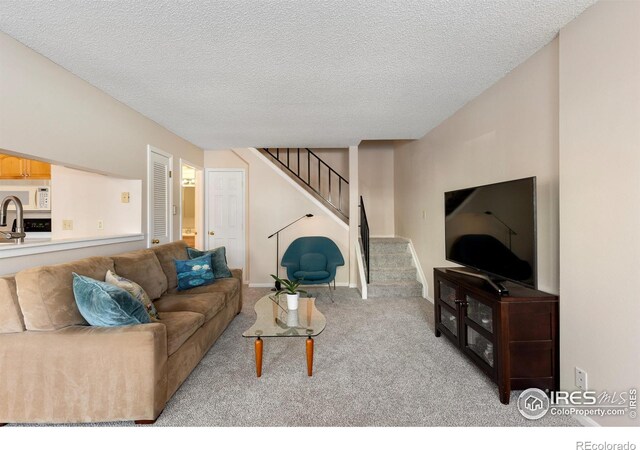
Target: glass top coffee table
(275, 320)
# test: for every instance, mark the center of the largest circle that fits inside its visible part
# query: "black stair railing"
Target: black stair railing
(364, 236)
(309, 168)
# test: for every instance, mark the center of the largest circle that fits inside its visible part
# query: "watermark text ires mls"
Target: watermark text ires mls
(534, 404)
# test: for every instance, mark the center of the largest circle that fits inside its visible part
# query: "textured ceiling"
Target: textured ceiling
(290, 73)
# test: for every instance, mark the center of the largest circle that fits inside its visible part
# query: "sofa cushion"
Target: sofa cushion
(311, 276)
(10, 315)
(134, 289)
(46, 296)
(143, 267)
(167, 254)
(106, 305)
(208, 304)
(218, 260)
(180, 326)
(194, 272)
(227, 286)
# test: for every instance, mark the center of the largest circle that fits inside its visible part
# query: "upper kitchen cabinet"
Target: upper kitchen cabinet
(15, 168)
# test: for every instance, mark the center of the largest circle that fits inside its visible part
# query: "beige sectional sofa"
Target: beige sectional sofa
(55, 368)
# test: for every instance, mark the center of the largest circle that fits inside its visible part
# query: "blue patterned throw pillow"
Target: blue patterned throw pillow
(194, 272)
(105, 305)
(218, 260)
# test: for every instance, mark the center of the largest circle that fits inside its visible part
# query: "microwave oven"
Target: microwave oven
(33, 198)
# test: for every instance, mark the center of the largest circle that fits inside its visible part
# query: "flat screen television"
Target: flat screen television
(492, 229)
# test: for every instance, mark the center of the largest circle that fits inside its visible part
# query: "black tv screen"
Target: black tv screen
(492, 228)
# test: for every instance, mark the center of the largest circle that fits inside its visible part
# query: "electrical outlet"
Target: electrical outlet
(124, 197)
(67, 224)
(581, 379)
(100, 225)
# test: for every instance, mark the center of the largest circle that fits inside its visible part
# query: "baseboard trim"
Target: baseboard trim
(421, 278)
(586, 421)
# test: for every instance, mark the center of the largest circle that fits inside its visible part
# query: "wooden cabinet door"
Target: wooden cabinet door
(38, 170)
(12, 167)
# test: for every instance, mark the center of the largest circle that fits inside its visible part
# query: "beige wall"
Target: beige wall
(272, 204)
(86, 197)
(510, 131)
(600, 198)
(337, 158)
(376, 185)
(48, 112)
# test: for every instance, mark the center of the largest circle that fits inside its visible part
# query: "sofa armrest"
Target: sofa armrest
(83, 374)
(237, 274)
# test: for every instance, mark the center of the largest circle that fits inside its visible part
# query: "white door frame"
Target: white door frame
(244, 211)
(152, 149)
(199, 223)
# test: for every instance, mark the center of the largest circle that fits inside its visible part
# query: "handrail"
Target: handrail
(293, 165)
(364, 235)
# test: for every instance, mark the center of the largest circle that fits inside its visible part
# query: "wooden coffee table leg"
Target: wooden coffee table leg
(258, 357)
(309, 356)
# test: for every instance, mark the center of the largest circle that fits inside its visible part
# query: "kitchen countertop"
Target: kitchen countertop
(31, 246)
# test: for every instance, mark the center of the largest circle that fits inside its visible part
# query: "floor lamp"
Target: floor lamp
(277, 235)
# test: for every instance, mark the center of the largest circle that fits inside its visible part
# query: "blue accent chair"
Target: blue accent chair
(313, 260)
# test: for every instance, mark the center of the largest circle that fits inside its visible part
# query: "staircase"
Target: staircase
(392, 272)
(315, 176)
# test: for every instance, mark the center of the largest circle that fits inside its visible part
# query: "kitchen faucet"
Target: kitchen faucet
(17, 235)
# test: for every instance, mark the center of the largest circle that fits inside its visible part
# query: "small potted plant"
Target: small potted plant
(291, 289)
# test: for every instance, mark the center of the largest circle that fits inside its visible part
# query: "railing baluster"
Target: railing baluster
(328, 197)
(364, 235)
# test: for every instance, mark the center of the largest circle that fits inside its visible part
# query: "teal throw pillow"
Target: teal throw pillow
(218, 260)
(194, 272)
(105, 305)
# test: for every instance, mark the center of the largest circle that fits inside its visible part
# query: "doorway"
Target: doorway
(191, 201)
(225, 213)
(159, 197)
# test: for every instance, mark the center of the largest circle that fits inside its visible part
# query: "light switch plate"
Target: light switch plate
(124, 197)
(67, 225)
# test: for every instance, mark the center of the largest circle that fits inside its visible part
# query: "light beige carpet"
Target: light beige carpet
(377, 363)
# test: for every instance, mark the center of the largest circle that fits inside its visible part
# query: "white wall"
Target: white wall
(376, 185)
(272, 204)
(50, 114)
(510, 131)
(600, 198)
(86, 197)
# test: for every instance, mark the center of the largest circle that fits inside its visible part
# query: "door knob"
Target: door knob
(155, 241)
(211, 233)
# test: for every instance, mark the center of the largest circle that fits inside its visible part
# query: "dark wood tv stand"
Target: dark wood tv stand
(512, 338)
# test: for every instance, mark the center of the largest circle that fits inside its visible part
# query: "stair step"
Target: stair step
(390, 274)
(391, 260)
(388, 245)
(394, 290)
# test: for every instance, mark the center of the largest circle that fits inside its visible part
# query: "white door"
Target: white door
(225, 214)
(159, 177)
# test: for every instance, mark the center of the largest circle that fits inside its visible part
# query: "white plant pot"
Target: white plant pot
(292, 301)
(292, 318)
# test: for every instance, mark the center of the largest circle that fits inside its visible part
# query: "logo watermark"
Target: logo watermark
(534, 403)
